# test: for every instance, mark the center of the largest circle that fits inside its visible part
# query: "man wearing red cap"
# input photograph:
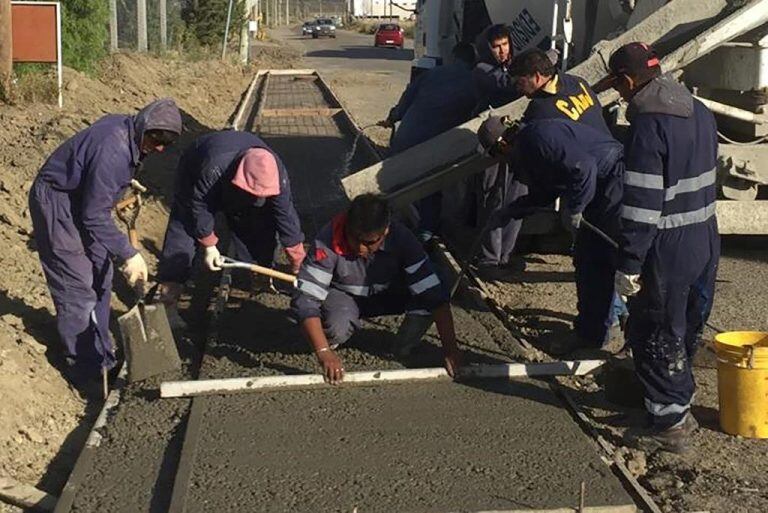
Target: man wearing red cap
(669, 241)
(237, 174)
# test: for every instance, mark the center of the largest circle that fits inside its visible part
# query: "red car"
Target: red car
(389, 34)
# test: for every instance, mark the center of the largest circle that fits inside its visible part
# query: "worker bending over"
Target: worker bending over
(364, 264)
(555, 95)
(71, 203)
(434, 102)
(237, 174)
(559, 95)
(669, 242)
(561, 158)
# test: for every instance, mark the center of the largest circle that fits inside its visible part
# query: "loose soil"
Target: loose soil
(44, 421)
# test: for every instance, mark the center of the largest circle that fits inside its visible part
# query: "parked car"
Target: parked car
(323, 27)
(389, 34)
(306, 28)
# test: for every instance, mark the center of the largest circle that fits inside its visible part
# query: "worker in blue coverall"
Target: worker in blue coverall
(496, 187)
(364, 264)
(559, 95)
(669, 241)
(434, 102)
(238, 174)
(559, 157)
(71, 203)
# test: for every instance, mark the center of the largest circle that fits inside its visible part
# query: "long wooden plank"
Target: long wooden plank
(586, 509)
(188, 454)
(256, 383)
(421, 161)
(24, 496)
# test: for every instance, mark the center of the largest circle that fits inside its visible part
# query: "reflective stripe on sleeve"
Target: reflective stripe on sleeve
(320, 275)
(644, 180)
(312, 289)
(427, 283)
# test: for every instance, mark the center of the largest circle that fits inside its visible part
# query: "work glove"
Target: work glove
(212, 258)
(575, 220)
(135, 269)
(626, 284)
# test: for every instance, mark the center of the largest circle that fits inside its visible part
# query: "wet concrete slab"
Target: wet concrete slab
(430, 447)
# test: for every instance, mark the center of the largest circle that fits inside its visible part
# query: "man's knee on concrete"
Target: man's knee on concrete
(338, 327)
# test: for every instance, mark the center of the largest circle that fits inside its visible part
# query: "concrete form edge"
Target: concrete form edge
(84, 460)
(614, 459)
(170, 389)
(585, 509)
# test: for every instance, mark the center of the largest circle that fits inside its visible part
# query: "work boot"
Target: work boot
(569, 343)
(490, 273)
(674, 439)
(410, 334)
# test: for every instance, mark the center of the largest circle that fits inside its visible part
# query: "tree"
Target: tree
(84, 32)
(206, 19)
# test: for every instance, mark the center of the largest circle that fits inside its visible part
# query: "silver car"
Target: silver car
(324, 27)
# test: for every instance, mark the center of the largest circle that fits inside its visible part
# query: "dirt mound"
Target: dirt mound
(41, 413)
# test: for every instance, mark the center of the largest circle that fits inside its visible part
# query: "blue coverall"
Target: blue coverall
(203, 188)
(434, 102)
(669, 237)
(558, 157)
(570, 97)
(71, 204)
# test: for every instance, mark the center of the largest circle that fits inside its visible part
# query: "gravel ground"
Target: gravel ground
(722, 473)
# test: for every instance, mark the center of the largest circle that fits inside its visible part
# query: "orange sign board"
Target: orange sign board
(34, 32)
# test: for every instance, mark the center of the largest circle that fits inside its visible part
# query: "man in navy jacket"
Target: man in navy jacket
(670, 246)
(71, 203)
(434, 102)
(556, 95)
(238, 174)
(562, 158)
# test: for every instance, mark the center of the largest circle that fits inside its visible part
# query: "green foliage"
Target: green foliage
(84, 32)
(205, 19)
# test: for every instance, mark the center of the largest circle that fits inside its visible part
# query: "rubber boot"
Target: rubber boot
(410, 333)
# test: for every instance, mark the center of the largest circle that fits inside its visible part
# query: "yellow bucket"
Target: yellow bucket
(742, 382)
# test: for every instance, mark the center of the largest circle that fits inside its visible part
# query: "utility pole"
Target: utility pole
(163, 25)
(6, 49)
(141, 24)
(287, 12)
(113, 26)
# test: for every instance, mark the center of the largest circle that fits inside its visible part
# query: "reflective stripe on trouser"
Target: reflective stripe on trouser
(254, 239)
(342, 312)
(495, 189)
(667, 317)
(79, 279)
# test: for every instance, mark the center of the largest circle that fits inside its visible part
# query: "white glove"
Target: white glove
(626, 284)
(212, 258)
(575, 220)
(135, 269)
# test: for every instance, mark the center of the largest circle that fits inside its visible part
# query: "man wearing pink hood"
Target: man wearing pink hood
(235, 173)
